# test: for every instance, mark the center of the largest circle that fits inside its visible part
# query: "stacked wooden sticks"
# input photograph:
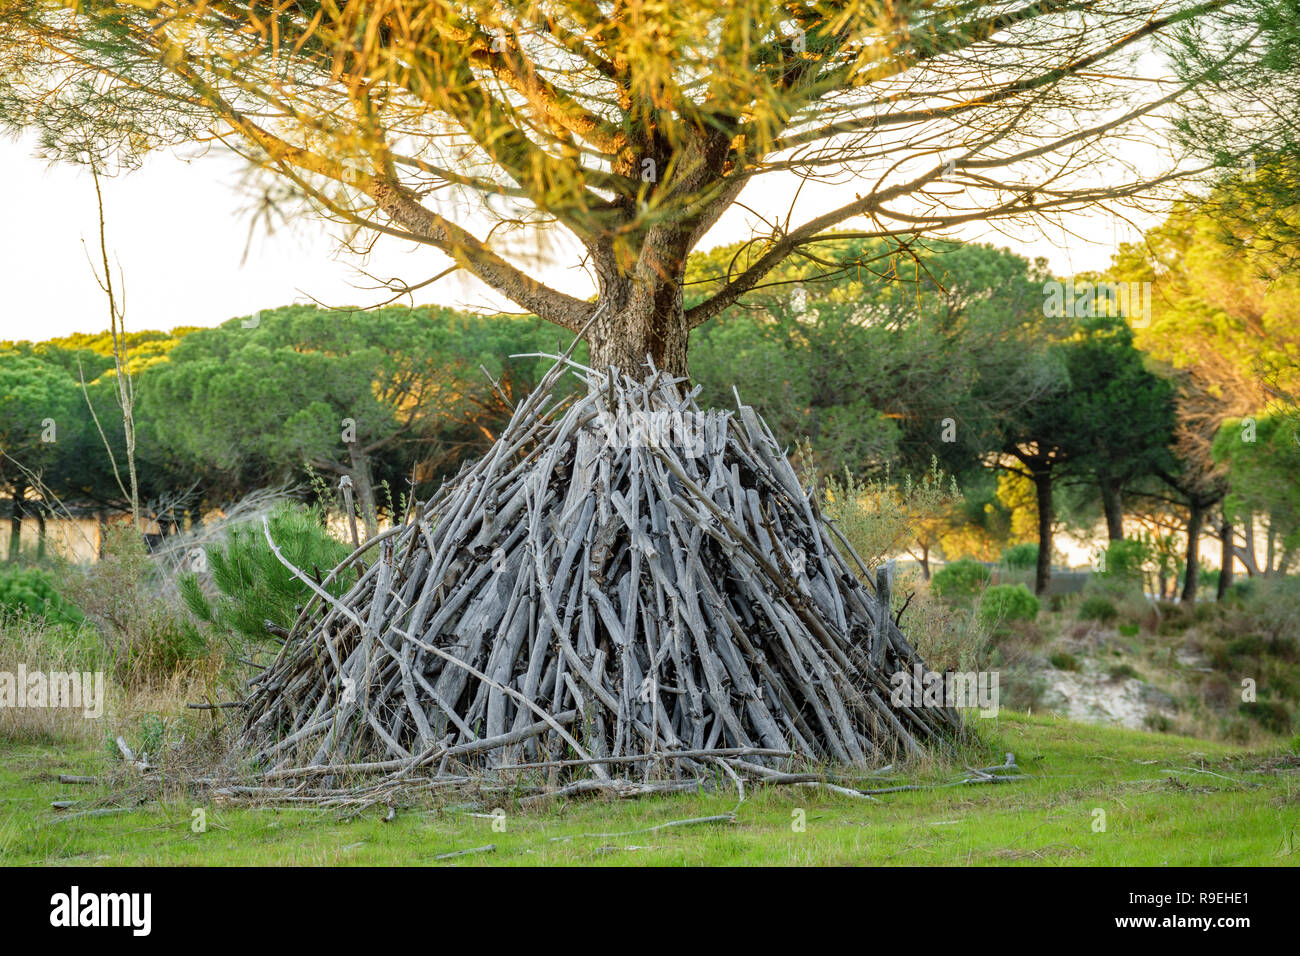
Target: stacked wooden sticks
(623, 584)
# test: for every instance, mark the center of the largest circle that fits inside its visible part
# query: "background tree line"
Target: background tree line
(941, 361)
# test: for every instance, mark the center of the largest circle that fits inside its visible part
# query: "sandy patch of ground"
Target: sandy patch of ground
(1095, 697)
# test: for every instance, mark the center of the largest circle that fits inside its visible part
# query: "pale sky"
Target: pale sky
(179, 227)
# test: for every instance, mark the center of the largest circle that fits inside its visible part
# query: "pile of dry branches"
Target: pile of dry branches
(623, 584)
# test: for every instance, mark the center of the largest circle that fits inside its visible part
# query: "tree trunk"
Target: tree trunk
(40, 533)
(1043, 490)
(645, 317)
(1247, 554)
(365, 488)
(1192, 575)
(1270, 546)
(925, 562)
(1113, 503)
(1225, 559)
(16, 518)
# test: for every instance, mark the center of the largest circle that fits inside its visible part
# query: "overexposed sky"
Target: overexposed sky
(180, 227)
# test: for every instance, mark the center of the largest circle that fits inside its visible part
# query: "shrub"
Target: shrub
(1160, 723)
(1064, 661)
(1098, 608)
(1127, 561)
(1174, 618)
(123, 595)
(1249, 645)
(1021, 557)
(31, 593)
(1006, 602)
(1207, 579)
(252, 586)
(949, 637)
(1023, 689)
(1273, 607)
(1218, 691)
(880, 516)
(1282, 681)
(960, 579)
(1240, 590)
(1273, 716)
(1237, 730)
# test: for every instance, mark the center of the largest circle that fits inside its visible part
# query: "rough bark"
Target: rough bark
(1246, 553)
(645, 318)
(365, 487)
(1191, 578)
(1225, 558)
(1043, 492)
(16, 518)
(1113, 504)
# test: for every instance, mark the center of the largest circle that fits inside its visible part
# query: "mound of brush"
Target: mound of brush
(625, 583)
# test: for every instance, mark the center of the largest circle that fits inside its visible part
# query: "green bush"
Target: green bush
(252, 586)
(1008, 602)
(1273, 716)
(1128, 560)
(1098, 608)
(1273, 606)
(1064, 661)
(1207, 579)
(31, 593)
(960, 579)
(1240, 590)
(1160, 723)
(1126, 566)
(163, 643)
(1249, 645)
(1021, 557)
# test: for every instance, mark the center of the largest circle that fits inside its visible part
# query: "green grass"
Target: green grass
(1167, 801)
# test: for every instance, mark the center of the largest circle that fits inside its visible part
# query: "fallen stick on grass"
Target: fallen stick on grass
(490, 848)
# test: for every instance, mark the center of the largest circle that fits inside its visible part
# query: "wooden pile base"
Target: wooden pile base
(623, 585)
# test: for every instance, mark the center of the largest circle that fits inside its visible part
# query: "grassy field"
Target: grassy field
(1166, 801)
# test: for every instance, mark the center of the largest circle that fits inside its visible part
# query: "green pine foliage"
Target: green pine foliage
(31, 593)
(1021, 557)
(1007, 602)
(248, 586)
(1098, 608)
(960, 579)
